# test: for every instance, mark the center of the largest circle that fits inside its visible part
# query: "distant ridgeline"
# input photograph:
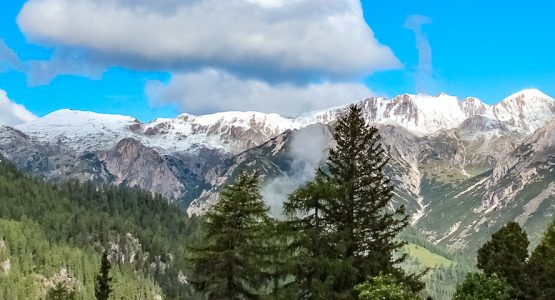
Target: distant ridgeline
(55, 233)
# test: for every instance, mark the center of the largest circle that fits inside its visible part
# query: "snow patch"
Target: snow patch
(452, 230)
(471, 187)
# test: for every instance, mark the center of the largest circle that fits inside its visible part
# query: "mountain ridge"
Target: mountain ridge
(419, 113)
(440, 146)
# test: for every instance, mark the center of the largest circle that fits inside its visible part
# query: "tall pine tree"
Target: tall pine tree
(103, 280)
(230, 262)
(359, 228)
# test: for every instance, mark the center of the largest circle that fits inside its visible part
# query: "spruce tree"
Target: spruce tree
(505, 255)
(541, 267)
(102, 288)
(365, 229)
(311, 255)
(359, 228)
(230, 261)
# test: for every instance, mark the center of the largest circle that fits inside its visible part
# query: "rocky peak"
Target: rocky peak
(230, 131)
(543, 138)
(525, 111)
(424, 114)
(129, 149)
(133, 164)
(472, 106)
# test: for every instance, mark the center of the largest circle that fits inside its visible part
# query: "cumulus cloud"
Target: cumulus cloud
(424, 72)
(41, 72)
(212, 90)
(12, 113)
(265, 38)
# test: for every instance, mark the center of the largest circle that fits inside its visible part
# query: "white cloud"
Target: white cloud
(212, 90)
(12, 113)
(268, 38)
(43, 71)
(307, 152)
(424, 81)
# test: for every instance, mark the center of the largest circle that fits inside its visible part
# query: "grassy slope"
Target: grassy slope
(427, 258)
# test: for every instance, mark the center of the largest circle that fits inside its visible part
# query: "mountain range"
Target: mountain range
(462, 167)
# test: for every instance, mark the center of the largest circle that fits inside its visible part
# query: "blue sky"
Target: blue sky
(487, 49)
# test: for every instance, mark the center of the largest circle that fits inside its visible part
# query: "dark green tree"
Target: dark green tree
(103, 281)
(231, 261)
(350, 201)
(505, 255)
(312, 257)
(541, 267)
(364, 228)
(60, 292)
(480, 286)
(83, 216)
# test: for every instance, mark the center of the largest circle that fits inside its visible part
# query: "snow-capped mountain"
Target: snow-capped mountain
(79, 130)
(525, 111)
(231, 132)
(234, 132)
(439, 145)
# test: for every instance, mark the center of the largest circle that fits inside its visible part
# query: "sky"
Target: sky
(152, 59)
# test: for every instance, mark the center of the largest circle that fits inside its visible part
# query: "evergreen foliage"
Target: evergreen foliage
(441, 283)
(346, 212)
(230, 262)
(312, 256)
(103, 281)
(505, 255)
(88, 217)
(32, 267)
(480, 286)
(541, 267)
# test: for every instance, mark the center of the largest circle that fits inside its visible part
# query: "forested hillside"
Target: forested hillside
(51, 232)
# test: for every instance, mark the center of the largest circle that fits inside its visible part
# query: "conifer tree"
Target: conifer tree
(505, 255)
(102, 286)
(311, 256)
(360, 230)
(230, 262)
(364, 228)
(541, 267)
(60, 292)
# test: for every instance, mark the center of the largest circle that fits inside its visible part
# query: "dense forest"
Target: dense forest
(340, 238)
(48, 228)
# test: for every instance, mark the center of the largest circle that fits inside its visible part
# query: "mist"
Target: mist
(423, 79)
(307, 150)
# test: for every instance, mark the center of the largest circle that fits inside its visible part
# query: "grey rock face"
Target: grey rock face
(132, 164)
